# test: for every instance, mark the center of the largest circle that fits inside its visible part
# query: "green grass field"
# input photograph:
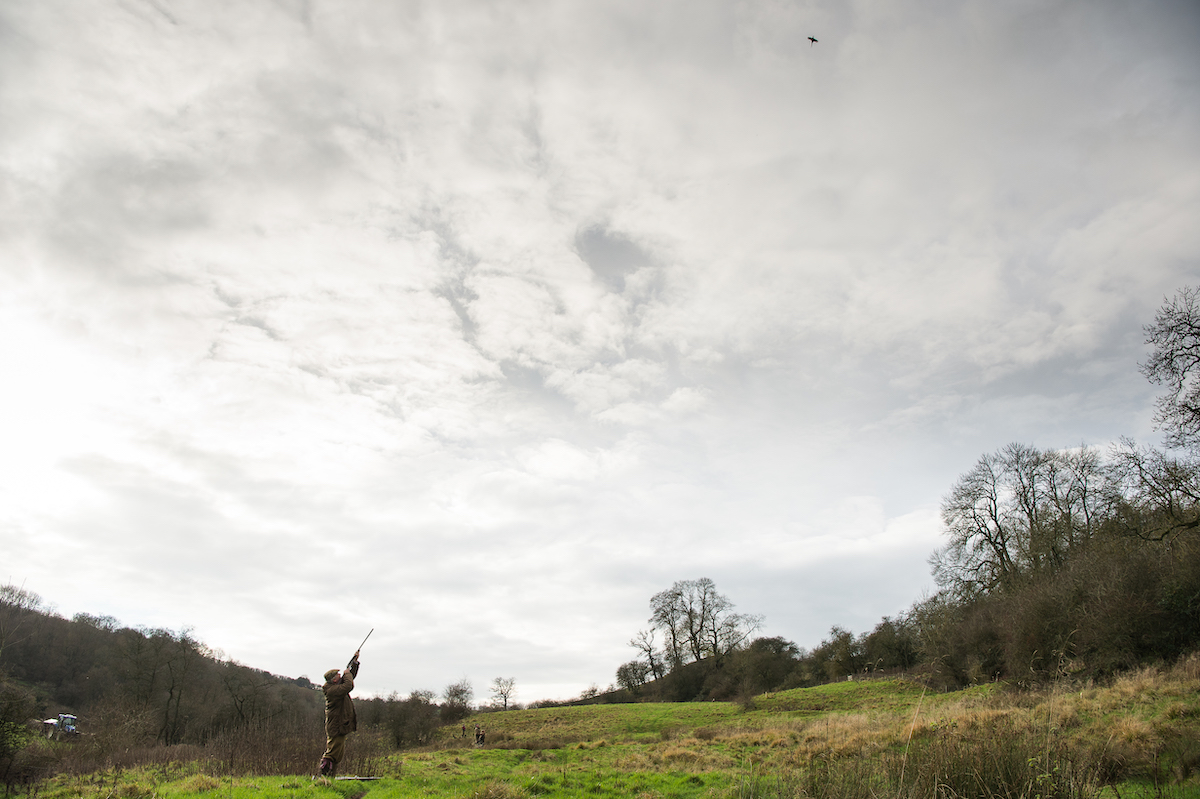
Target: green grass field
(1139, 737)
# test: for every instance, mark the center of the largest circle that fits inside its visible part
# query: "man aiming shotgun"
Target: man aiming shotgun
(340, 720)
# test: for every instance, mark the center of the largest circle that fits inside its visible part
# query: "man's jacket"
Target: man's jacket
(339, 707)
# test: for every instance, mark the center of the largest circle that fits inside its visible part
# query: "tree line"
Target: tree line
(136, 687)
(1080, 561)
(163, 686)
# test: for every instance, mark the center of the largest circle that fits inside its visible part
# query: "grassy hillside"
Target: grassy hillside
(1139, 736)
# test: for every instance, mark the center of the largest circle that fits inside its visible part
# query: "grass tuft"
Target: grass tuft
(498, 790)
(200, 783)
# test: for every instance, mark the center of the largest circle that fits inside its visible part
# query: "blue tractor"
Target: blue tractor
(61, 727)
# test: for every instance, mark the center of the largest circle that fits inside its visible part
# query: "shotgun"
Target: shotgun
(360, 646)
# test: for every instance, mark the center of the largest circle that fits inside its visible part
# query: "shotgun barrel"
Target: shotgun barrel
(360, 646)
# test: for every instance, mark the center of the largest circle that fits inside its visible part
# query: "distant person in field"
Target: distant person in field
(340, 720)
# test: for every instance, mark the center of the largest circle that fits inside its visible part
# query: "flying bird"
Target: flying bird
(811, 39)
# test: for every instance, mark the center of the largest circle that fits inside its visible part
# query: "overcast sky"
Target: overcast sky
(479, 323)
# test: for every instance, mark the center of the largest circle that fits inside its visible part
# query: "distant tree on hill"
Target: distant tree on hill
(632, 676)
(841, 654)
(698, 622)
(503, 689)
(768, 664)
(699, 632)
(892, 645)
(107, 623)
(456, 700)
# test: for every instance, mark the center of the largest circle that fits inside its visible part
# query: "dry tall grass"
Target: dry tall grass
(1066, 741)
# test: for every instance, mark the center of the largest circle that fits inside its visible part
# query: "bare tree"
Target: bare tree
(644, 643)
(1027, 470)
(728, 633)
(503, 689)
(1081, 489)
(701, 607)
(1019, 510)
(666, 616)
(1158, 495)
(979, 555)
(632, 675)
(698, 623)
(1175, 363)
(456, 700)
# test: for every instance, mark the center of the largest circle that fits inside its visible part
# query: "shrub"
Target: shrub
(200, 783)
